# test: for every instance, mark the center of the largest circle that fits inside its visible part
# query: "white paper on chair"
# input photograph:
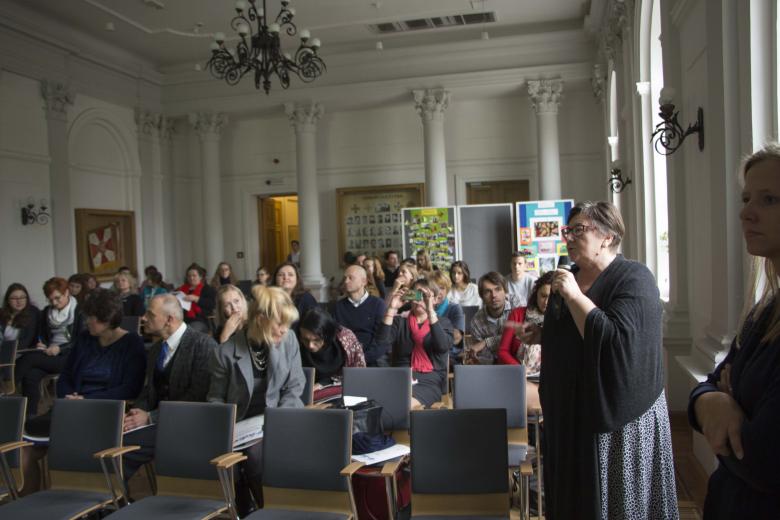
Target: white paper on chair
(352, 400)
(248, 431)
(186, 305)
(375, 457)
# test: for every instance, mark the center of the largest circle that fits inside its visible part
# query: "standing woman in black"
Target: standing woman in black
(19, 317)
(738, 407)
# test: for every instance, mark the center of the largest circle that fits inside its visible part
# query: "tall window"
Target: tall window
(613, 139)
(659, 163)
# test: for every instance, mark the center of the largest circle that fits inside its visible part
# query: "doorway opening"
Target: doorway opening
(278, 225)
(497, 192)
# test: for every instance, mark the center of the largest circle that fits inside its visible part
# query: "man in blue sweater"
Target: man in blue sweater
(362, 313)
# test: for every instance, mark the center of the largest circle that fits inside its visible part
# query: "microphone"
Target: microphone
(556, 300)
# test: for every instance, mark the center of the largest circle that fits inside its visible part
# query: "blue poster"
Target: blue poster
(539, 225)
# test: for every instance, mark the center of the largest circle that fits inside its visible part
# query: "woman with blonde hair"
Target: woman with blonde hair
(223, 276)
(375, 276)
(259, 367)
(232, 312)
(127, 289)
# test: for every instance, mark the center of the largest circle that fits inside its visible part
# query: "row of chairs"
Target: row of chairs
(306, 463)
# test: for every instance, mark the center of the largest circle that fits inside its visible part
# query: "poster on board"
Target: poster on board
(432, 229)
(539, 225)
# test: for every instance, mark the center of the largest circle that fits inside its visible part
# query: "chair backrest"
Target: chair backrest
(246, 287)
(7, 365)
(389, 386)
(468, 314)
(131, 323)
(12, 413)
(492, 386)
(308, 389)
(79, 429)
(475, 482)
(189, 436)
(304, 451)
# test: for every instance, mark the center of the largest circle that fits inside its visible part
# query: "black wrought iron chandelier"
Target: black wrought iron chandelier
(259, 49)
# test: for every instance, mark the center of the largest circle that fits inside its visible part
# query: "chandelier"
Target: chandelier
(260, 51)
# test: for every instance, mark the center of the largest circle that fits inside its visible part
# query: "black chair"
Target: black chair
(389, 386)
(192, 438)
(81, 430)
(12, 413)
(308, 389)
(246, 288)
(306, 465)
(474, 484)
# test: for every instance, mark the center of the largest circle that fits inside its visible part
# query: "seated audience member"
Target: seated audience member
(421, 341)
(391, 267)
(424, 265)
(262, 276)
(268, 352)
(223, 276)
(149, 270)
(487, 326)
(349, 258)
(440, 285)
(176, 370)
(61, 322)
(125, 287)
(519, 282)
(231, 312)
(362, 314)
(328, 347)
(92, 282)
(77, 285)
(154, 287)
(360, 258)
(202, 298)
(464, 291)
(295, 253)
(375, 277)
(19, 318)
(288, 278)
(105, 362)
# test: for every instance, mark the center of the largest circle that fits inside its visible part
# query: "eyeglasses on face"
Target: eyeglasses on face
(576, 231)
(18, 298)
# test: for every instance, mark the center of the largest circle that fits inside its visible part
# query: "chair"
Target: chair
(499, 386)
(306, 465)
(7, 367)
(12, 413)
(191, 439)
(474, 483)
(308, 389)
(131, 324)
(246, 288)
(389, 386)
(80, 431)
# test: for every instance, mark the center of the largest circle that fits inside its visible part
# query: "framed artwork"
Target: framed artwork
(369, 218)
(105, 241)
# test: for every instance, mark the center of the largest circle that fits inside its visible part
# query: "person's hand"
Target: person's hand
(396, 298)
(74, 395)
(430, 304)
(529, 333)
(720, 418)
(232, 324)
(135, 418)
(565, 284)
(477, 346)
(191, 298)
(52, 350)
(724, 383)
(41, 346)
(317, 386)
(515, 326)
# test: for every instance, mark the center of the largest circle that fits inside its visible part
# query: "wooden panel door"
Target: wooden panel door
(497, 192)
(271, 250)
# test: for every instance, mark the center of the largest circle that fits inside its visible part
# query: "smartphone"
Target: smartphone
(413, 296)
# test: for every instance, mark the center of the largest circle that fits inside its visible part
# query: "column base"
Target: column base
(317, 285)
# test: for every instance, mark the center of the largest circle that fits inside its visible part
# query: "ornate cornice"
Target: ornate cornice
(430, 104)
(147, 122)
(304, 116)
(598, 82)
(208, 124)
(617, 29)
(56, 96)
(545, 95)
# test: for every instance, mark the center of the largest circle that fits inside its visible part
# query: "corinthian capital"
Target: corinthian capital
(208, 124)
(431, 103)
(304, 116)
(147, 122)
(56, 97)
(545, 95)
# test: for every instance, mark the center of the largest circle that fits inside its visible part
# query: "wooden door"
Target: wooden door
(497, 192)
(271, 247)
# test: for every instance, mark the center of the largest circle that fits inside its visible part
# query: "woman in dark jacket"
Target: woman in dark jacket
(202, 297)
(127, 289)
(19, 317)
(288, 278)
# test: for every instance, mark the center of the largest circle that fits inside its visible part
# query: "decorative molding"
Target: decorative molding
(208, 124)
(304, 116)
(16, 155)
(598, 82)
(167, 128)
(430, 104)
(148, 122)
(616, 29)
(56, 96)
(545, 95)
(104, 171)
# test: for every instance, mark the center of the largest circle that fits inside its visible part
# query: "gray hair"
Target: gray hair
(170, 306)
(605, 216)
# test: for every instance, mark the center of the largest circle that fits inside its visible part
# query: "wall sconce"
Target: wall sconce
(617, 183)
(670, 134)
(32, 214)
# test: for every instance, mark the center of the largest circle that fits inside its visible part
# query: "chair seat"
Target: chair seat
(517, 454)
(450, 517)
(286, 514)
(170, 508)
(53, 505)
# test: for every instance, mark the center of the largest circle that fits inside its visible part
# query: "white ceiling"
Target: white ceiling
(167, 37)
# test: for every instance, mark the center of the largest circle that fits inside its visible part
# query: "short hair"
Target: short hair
(545, 279)
(349, 258)
(521, 254)
(320, 323)
(491, 277)
(294, 242)
(150, 269)
(441, 280)
(391, 252)
(269, 303)
(299, 288)
(605, 216)
(170, 306)
(105, 306)
(54, 284)
(428, 284)
(220, 316)
(156, 277)
(197, 267)
(463, 267)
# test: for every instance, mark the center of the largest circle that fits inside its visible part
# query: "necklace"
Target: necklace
(259, 355)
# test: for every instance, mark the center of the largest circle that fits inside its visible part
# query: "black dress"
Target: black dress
(748, 488)
(607, 442)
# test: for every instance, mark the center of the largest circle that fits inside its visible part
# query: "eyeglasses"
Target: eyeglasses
(576, 231)
(18, 298)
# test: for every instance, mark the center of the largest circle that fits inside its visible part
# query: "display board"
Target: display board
(539, 225)
(432, 229)
(486, 237)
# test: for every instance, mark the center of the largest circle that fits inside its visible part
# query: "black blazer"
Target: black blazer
(28, 335)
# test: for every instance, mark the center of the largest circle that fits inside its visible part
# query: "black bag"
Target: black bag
(367, 418)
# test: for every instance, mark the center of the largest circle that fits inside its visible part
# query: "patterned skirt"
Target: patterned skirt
(636, 468)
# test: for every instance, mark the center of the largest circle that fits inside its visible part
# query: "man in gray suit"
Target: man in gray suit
(176, 370)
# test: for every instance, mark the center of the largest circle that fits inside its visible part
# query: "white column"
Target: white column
(650, 235)
(430, 105)
(148, 125)
(304, 117)
(57, 97)
(209, 126)
(545, 97)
